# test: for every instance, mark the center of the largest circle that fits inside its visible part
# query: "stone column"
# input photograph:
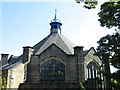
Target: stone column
(4, 58)
(27, 52)
(78, 51)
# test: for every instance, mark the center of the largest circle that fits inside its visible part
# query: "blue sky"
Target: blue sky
(26, 23)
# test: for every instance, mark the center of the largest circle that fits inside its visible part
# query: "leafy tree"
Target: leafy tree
(109, 46)
(109, 51)
(88, 4)
(91, 4)
(110, 14)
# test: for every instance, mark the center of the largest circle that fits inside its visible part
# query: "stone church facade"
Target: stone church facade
(54, 62)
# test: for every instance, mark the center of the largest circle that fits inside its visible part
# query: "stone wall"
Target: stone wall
(52, 52)
(15, 76)
(75, 64)
(4, 58)
(89, 58)
(50, 86)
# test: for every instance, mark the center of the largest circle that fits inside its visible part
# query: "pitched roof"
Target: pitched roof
(85, 52)
(12, 59)
(58, 39)
(12, 62)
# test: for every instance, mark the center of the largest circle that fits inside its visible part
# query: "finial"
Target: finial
(55, 11)
(55, 18)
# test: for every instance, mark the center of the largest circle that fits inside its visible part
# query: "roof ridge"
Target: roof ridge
(68, 42)
(59, 40)
(67, 39)
(65, 42)
(40, 43)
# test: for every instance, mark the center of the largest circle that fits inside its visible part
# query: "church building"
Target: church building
(54, 62)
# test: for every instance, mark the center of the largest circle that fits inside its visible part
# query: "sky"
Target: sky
(25, 23)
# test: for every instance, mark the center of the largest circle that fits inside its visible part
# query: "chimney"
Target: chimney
(27, 52)
(78, 52)
(4, 58)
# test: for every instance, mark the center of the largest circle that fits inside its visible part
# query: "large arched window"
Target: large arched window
(92, 70)
(52, 70)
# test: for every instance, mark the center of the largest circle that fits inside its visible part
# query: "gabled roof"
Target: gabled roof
(87, 51)
(12, 59)
(58, 39)
(12, 62)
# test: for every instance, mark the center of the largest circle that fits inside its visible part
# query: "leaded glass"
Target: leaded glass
(52, 70)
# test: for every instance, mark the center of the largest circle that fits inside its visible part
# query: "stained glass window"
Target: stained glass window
(52, 70)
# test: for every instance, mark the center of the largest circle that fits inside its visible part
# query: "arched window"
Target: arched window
(52, 70)
(92, 70)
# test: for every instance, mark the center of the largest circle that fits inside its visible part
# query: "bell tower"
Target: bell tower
(55, 25)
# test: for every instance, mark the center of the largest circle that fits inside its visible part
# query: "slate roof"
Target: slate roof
(85, 52)
(12, 59)
(12, 62)
(58, 39)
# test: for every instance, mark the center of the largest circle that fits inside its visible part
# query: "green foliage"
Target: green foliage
(109, 49)
(82, 87)
(3, 82)
(110, 14)
(88, 4)
(91, 4)
(116, 79)
(116, 84)
(0, 79)
(110, 46)
(104, 73)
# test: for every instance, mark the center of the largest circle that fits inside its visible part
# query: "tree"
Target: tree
(110, 14)
(109, 46)
(89, 4)
(109, 51)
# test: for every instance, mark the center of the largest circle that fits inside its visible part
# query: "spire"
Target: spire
(55, 24)
(55, 18)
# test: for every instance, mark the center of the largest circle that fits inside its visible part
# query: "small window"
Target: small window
(55, 26)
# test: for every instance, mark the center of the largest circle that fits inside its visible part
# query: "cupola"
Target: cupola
(55, 25)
